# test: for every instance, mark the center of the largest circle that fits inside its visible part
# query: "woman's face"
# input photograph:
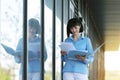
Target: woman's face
(75, 30)
(32, 31)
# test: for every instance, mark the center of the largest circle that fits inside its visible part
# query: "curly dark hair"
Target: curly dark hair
(72, 23)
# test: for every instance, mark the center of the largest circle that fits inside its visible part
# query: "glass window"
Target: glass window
(48, 37)
(65, 17)
(71, 10)
(11, 32)
(11, 18)
(11, 35)
(58, 38)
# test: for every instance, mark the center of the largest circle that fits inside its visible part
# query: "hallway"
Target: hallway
(107, 17)
(101, 22)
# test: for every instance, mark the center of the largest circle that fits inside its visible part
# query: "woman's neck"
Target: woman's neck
(76, 37)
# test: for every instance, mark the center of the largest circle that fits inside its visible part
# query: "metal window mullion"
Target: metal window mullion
(68, 9)
(62, 34)
(54, 41)
(42, 40)
(62, 22)
(24, 74)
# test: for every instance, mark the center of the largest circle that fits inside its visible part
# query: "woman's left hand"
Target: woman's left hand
(80, 57)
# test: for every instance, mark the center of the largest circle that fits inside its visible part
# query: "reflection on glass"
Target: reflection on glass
(34, 8)
(58, 38)
(33, 51)
(11, 27)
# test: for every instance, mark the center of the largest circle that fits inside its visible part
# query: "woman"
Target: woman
(33, 51)
(77, 69)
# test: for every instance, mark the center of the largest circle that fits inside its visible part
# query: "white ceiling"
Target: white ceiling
(107, 17)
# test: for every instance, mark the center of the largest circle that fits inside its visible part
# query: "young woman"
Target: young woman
(77, 69)
(33, 51)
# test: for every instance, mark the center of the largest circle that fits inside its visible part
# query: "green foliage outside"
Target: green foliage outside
(4, 74)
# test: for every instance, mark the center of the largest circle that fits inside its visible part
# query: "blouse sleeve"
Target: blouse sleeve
(90, 56)
(64, 57)
(19, 48)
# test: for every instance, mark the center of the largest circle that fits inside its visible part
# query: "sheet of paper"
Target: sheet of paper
(11, 51)
(98, 48)
(8, 49)
(67, 46)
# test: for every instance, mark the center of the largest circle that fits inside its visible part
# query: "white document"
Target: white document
(98, 48)
(71, 50)
(67, 46)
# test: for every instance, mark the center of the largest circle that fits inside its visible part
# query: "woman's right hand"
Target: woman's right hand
(63, 52)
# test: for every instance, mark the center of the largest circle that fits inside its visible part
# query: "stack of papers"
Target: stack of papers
(71, 50)
(67, 46)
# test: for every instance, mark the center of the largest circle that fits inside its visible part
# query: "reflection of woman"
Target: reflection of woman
(77, 69)
(33, 54)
